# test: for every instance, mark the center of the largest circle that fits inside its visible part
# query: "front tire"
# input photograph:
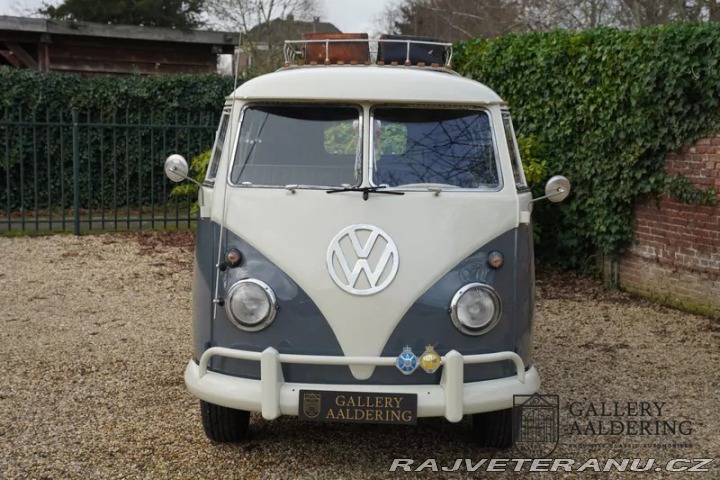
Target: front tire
(494, 429)
(222, 424)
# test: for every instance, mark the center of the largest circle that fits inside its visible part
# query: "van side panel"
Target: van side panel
(203, 283)
(525, 291)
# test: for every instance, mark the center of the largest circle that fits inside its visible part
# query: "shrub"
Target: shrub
(127, 126)
(605, 107)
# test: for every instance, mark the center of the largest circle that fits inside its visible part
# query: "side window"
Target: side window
(513, 150)
(218, 147)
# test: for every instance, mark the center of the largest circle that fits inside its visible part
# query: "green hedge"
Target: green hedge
(126, 125)
(30, 90)
(606, 107)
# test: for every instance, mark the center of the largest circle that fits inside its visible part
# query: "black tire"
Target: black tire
(222, 424)
(494, 429)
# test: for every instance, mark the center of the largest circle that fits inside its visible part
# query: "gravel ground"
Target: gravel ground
(95, 333)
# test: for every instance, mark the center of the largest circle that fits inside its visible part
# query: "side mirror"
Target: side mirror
(557, 189)
(176, 168)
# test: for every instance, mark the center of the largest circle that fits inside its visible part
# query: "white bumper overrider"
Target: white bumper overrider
(272, 396)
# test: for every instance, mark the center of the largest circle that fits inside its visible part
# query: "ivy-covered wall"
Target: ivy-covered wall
(604, 108)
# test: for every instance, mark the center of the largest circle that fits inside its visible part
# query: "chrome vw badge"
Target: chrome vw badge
(407, 362)
(362, 259)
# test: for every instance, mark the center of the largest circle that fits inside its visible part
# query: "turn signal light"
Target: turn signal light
(233, 258)
(495, 260)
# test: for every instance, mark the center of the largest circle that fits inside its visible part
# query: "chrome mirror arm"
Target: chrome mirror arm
(560, 191)
(175, 169)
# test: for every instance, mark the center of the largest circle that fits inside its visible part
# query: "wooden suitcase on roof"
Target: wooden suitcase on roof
(338, 51)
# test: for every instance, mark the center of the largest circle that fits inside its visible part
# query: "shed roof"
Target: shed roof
(90, 29)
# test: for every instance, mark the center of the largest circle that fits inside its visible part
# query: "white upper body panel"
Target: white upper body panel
(377, 84)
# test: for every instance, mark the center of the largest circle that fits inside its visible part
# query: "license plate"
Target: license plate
(357, 407)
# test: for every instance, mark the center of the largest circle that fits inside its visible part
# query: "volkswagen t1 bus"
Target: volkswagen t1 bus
(364, 246)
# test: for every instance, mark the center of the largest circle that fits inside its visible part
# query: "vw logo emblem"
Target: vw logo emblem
(362, 259)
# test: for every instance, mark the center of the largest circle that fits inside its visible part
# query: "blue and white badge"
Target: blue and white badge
(407, 362)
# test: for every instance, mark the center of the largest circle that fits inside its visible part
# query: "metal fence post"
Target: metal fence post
(76, 172)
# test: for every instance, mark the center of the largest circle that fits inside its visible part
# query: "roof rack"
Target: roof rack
(357, 49)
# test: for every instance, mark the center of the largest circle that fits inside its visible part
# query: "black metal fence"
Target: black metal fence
(84, 170)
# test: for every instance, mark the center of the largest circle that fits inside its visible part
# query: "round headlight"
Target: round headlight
(251, 305)
(475, 309)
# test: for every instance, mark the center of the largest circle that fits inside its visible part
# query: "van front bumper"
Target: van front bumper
(272, 396)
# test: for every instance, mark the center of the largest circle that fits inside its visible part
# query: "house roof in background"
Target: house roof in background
(288, 28)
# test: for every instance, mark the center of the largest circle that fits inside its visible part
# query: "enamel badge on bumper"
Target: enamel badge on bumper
(407, 362)
(430, 360)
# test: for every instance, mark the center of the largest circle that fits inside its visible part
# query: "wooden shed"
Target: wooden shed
(98, 49)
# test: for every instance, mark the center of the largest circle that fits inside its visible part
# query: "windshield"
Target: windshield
(449, 147)
(314, 145)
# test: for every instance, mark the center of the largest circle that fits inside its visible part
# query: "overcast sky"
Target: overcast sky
(347, 15)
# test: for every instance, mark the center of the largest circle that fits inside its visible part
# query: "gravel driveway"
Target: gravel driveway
(95, 334)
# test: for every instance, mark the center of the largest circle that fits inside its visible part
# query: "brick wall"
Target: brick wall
(676, 255)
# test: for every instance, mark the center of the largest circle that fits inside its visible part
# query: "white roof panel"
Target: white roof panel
(367, 83)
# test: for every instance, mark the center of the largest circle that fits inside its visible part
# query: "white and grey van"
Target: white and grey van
(364, 248)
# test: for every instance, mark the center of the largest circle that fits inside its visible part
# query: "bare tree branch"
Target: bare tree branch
(454, 19)
(255, 20)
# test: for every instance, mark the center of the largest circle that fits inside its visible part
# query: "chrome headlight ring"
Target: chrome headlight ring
(254, 297)
(487, 301)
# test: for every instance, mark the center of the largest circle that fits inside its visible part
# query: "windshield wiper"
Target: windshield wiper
(366, 191)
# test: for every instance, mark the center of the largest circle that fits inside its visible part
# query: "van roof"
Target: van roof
(359, 83)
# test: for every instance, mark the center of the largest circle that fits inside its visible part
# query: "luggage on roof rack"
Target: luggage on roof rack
(358, 49)
(346, 52)
(411, 49)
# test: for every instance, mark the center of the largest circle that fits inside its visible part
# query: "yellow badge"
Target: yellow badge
(430, 360)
